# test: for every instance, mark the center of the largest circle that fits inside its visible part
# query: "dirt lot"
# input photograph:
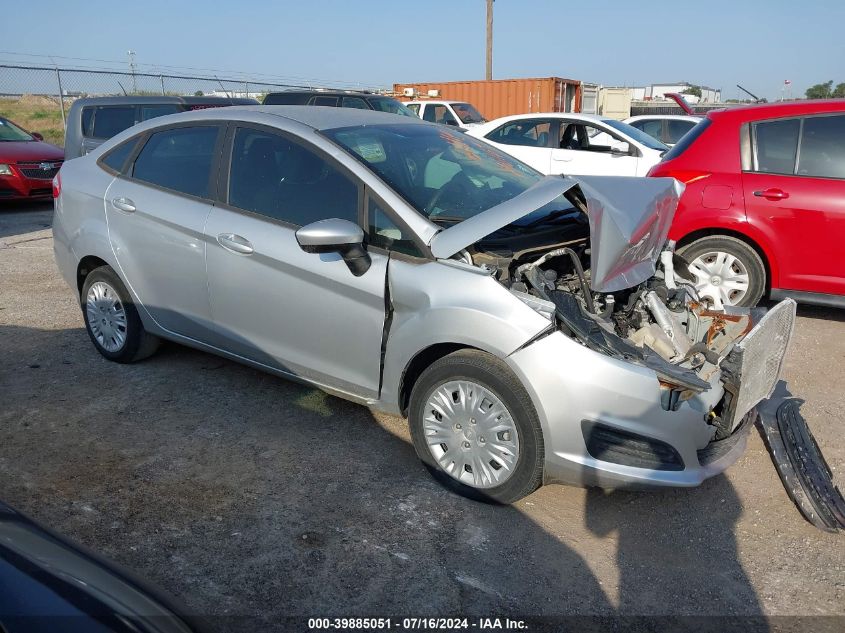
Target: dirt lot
(245, 494)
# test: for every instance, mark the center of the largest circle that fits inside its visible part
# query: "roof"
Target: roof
(163, 99)
(330, 93)
(315, 117)
(777, 109)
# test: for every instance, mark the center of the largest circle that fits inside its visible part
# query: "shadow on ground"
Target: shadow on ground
(246, 494)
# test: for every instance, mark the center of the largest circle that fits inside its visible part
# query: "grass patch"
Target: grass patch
(36, 114)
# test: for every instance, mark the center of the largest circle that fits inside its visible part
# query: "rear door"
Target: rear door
(530, 140)
(156, 215)
(273, 303)
(795, 192)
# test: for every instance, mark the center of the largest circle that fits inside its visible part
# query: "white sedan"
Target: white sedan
(580, 144)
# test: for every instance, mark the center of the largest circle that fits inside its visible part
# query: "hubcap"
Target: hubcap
(106, 316)
(471, 434)
(720, 276)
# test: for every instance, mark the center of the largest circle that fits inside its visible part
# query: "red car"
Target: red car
(764, 207)
(27, 163)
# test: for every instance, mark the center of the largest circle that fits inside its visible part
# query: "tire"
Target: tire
(119, 335)
(488, 379)
(703, 255)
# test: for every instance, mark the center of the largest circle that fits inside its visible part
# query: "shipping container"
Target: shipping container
(615, 103)
(501, 97)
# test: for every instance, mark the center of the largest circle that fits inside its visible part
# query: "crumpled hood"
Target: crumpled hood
(629, 223)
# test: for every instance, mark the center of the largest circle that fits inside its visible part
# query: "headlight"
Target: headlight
(5, 170)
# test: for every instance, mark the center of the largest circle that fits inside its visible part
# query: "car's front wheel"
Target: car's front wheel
(112, 320)
(727, 270)
(475, 428)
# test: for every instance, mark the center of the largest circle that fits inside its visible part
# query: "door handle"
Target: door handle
(772, 194)
(235, 243)
(562, 157)
(123, 204)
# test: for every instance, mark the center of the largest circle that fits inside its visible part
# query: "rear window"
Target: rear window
(179, 159)
(116, 158)
(822, 152)
(687, 140)
(775, 145)
(112, 120)
(153, 111)
(281, 98)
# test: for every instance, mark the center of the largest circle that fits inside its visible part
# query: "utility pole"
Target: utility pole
(132, 70)
(489, 39)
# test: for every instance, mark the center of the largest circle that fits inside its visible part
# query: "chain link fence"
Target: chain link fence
(38, 97)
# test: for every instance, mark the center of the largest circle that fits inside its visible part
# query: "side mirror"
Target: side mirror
(36, 136)
(336, 236)
(621, 149)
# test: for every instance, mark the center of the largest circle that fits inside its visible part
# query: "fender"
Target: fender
(424, 299)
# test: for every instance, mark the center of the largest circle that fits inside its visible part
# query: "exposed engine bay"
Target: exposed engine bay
(660, 322)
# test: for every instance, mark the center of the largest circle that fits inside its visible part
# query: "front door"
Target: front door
(302, 313)
(588, 150)
(156, 216)
(796, 191)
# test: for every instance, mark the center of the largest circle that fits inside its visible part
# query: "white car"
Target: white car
(456, 113)
(558, 143)
(666, 128)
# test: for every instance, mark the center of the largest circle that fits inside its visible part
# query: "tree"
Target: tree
(839, 91)
(821, 91)
(693, 90)
(198, 93)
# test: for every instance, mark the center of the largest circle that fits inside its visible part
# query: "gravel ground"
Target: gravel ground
(244, 494)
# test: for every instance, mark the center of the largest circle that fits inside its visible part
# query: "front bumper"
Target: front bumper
(603, 423)
(20, 186)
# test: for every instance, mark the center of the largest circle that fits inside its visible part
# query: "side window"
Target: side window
(675, 129)
(443, 115)
(153, 111)
(413, 107)
(112, 120)
(384, 233)
(116, 158)
(775, 146)
(179, 159)
(280, 179)
(354, 102)
(530, 133)
(652, 127)
(823, 147)
(324, 101)
(87, 120)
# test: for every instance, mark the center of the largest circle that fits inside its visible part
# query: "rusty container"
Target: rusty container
(501, 97)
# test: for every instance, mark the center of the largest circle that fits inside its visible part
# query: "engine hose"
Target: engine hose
(588, 296)
(579, 269)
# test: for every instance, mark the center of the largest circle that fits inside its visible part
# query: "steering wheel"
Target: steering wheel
(456, 183)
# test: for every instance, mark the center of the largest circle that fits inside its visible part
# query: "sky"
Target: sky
(375, 43)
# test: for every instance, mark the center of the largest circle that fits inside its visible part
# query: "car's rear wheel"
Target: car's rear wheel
(727, 270)
(112, 320)
(475, 428)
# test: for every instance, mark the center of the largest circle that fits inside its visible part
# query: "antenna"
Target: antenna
(748, 92)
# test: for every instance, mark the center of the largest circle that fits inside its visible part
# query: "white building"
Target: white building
(658, 91)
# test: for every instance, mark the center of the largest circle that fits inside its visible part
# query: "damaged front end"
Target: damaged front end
(618, 288)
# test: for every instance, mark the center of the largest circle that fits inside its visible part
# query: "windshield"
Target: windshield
(444, 174)
(11, 132)
(386, 104)
(638, 135)
(467, 113)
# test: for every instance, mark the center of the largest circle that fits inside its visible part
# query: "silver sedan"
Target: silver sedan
(532, 329)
